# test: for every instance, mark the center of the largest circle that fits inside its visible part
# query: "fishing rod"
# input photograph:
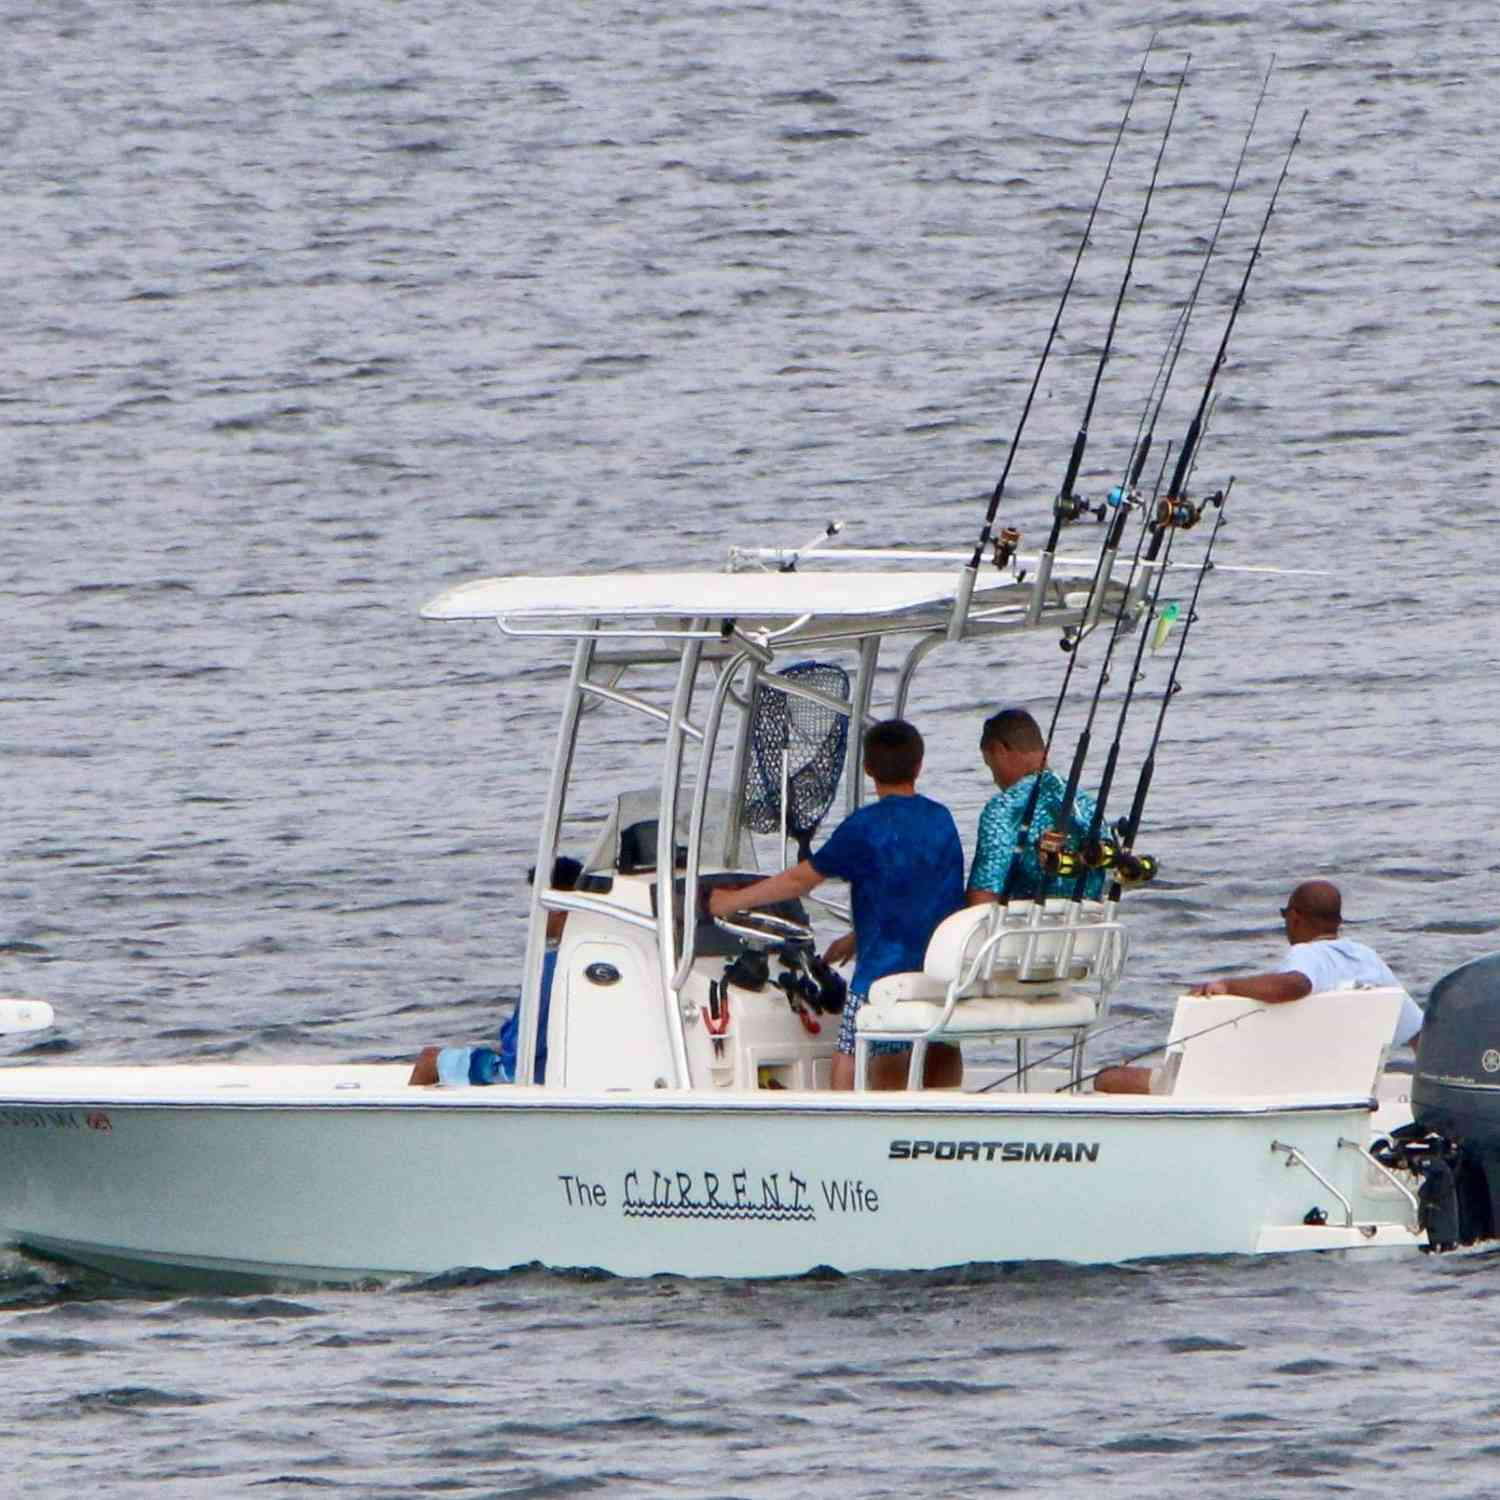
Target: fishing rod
(1173, 513)
(1122, 501)
(970, 574)
(1095, 854)
(1128, 490)
(1051, 859)
(1028, 812)
(1176, 509)
(1190, 442)
(1118, 497)
(1126, 866)
(1141, 447)
(1067, 506)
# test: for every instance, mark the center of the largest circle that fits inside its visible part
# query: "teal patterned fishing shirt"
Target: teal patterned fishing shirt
(1000, 824)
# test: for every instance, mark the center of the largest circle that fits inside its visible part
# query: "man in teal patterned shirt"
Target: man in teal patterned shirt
(1016, 754)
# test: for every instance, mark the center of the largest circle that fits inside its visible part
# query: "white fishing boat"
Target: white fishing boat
(685, 1124)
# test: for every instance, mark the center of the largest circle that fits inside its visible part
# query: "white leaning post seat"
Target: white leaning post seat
(1330, 1042)
(992, 971)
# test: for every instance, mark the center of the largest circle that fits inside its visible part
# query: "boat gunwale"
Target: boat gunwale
(895, 1106)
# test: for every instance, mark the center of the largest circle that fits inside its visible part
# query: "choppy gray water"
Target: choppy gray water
(311, 310)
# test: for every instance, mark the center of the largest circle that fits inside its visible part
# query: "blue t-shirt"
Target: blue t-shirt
(1342, 963)
(905, 867)
(1000, 825)
(510, 1030)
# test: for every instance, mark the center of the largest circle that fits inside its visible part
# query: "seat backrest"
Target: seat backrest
(956, 940)
(1043, 939)
(1329, 1043)
(1023, 944)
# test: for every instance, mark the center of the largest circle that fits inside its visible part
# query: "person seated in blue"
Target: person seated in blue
(904, 862)
(430, 1066)
(565, 873)
(1015, 752)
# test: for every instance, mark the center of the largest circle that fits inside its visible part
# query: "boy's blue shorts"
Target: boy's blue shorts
(846, 1031)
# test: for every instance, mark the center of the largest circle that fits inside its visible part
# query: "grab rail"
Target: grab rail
(1414, 1223)
(1294, 1158)
(555, 900)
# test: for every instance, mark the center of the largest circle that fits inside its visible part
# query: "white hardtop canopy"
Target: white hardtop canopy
(725, 631)
(748, 596)
(873, 600)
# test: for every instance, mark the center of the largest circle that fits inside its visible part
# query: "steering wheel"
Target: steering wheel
(764, 929)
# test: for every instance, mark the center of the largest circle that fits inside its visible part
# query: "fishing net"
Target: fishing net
(811, 737)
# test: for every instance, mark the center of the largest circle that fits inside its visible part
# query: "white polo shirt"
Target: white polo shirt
(1343, 964)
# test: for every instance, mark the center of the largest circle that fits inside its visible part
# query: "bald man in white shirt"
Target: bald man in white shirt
(1317, 959)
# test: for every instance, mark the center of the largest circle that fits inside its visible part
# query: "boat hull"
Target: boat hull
(190, 1177)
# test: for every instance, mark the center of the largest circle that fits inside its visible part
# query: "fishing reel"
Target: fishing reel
(1005, 546)
(1134, 869)
(1063, 863)
(1070, 508)
(1127, 867)
(1099, 854)
(1179, 511)
(1055, 857)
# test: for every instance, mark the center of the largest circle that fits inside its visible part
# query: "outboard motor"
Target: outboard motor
(1454, 1142)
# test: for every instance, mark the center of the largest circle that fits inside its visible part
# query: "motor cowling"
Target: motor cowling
(1456, 1105)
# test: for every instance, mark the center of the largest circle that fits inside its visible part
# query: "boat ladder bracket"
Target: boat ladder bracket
(1295, 1158)
(1414, 1221)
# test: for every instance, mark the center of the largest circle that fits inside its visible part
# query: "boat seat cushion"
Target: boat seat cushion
(1047, 1011)
(913, 986)
(898, 988)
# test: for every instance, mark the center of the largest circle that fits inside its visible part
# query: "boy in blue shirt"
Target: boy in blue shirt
(905, 866)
